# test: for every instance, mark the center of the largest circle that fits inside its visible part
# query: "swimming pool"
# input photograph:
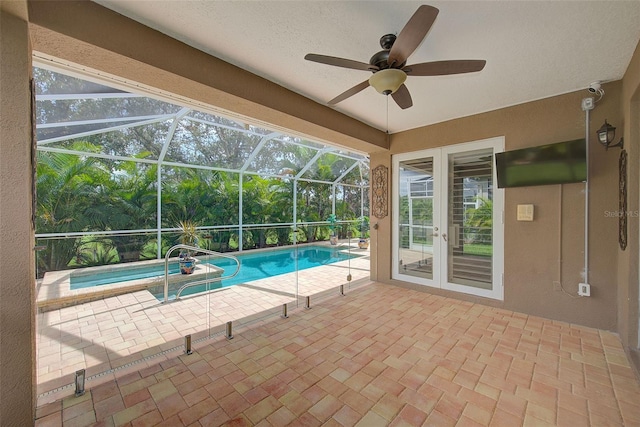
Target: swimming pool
(254, 265)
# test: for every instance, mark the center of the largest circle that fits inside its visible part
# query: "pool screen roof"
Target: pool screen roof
(122, 125)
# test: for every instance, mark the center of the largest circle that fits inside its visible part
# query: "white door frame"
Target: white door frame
(395, 235)
(440, 160)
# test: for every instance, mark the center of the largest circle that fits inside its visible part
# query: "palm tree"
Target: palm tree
(67, 187)
(281, 209)
(129, 203)
(209, 198)
(256, 209)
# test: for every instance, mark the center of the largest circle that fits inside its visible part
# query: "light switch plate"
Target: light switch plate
(525, 213)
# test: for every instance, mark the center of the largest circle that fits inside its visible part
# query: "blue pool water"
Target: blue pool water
(121, 274)
(253, 266)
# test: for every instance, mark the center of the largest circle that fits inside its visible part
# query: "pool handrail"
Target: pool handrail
(197, 282)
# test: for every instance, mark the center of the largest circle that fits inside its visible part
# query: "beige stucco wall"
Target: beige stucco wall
(17, 344)
(628, 282)
(532, 250)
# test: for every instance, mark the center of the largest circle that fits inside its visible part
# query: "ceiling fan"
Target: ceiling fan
(389, 65)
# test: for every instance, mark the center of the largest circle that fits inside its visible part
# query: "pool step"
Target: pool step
(54, 291)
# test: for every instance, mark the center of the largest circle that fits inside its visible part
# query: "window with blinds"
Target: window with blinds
(470, 219)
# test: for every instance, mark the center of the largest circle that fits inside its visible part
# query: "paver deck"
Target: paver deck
(115, 332)
(381, 355)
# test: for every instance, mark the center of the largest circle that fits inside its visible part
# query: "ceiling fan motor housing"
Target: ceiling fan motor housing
(381, 59)
(387, 41)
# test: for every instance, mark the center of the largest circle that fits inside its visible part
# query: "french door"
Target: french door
(448, 218)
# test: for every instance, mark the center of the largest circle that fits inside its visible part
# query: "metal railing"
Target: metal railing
(195, 282)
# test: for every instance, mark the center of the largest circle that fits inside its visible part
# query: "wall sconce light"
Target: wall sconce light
(606, 134)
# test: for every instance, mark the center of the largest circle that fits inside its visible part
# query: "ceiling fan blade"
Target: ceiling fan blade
(441, 68)
(412, 34)
(350, 92)
(340, 62)
(402, 97)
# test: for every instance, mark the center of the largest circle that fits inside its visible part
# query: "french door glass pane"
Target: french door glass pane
(416, 217)
(470, 216)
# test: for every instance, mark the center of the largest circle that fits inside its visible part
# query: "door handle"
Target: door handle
(444, 236)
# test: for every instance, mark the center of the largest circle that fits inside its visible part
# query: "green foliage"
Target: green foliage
(77, 194)
(332, 220)
(256, 210)
(189, 234)
(128, 202)
(480, 250)
(98, 252)
(478, 225)
(84, 194)
(363, 223)
(67, 187)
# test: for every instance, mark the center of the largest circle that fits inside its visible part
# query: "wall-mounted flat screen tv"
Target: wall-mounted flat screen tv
(559, 163)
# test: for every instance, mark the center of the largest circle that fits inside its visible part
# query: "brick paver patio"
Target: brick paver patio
(381, 355)
(117, 331)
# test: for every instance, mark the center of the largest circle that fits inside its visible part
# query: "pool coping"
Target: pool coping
(54, 290)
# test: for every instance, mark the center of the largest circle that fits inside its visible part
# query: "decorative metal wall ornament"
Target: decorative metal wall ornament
(622, 200)
(379, 185)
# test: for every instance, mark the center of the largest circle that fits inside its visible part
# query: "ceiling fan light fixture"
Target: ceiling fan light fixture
(387, 81)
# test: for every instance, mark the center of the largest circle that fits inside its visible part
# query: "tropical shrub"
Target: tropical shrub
(478, 225)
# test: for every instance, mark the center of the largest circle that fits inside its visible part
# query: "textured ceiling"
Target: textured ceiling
(533, 49)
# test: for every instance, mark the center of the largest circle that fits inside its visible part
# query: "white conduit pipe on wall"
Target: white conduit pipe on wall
(560, 235)
(586, 201)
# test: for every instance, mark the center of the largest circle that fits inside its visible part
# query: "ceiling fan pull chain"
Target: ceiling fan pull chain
(387, 114)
